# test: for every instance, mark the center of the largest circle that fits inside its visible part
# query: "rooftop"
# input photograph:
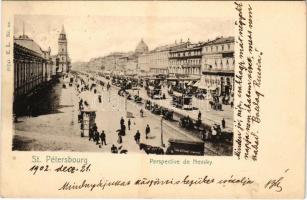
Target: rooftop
(28, 43)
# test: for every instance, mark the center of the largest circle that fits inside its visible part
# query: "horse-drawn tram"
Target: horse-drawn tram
(184, 147)
(182, 101)
(154, 92)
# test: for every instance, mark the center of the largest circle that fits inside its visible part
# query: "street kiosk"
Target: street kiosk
(88, 121)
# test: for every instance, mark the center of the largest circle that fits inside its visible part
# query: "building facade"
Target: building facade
(218, 66)
(157, 61)
(186, 60)
(50, 67)
(30, 70)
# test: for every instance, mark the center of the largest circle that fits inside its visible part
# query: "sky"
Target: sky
(94, 36)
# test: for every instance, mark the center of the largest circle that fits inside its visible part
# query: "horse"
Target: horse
(151, 149)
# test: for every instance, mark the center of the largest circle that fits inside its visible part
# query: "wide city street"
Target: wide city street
(58, 127)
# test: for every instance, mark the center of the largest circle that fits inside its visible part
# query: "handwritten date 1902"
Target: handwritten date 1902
(63, 168)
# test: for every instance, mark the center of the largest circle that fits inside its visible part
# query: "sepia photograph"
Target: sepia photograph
(153, 99)
(124, 85)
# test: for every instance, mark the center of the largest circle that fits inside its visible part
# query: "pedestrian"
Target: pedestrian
(147, 131)
(137, 136)
(120, 139)
(97, 137)
(223, 123)
(141, 112)
(122, 122)
(95, 128)
(199, 116)
(123, 130)
(99, 98)
(90, 133)
(129, 124)
(114, 149)
(103, 138)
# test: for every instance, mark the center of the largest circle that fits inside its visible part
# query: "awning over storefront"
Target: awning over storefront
(201, 84)
(191, 83)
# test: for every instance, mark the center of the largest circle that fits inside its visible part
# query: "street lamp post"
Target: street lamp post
(126, 103)
(162, 143)
(109, 94)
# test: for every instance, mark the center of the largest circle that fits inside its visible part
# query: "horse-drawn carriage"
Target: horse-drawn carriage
(200, 95)
(156, 109)
(195, 125)
(216, 134)
(137, 99)
(122, 92)
(148, 105)
(215, 105)
(154, 92)
(168, 114)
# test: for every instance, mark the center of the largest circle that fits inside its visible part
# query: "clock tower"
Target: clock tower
(63, 58)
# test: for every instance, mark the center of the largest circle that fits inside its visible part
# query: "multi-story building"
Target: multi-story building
(186, 60)
(30, 69)
(110, 62)
(50, 67)
(157, 61)
(218, 66)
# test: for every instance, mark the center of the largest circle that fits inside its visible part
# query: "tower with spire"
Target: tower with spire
(63, 58)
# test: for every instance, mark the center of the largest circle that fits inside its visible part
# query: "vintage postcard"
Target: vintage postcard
(153, 99)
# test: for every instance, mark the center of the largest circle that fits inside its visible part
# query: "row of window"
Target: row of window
(188, 61)
(217, 81)
(186, 53)
(195, 70)
(218, 48)
(220, 63)
(25, 73)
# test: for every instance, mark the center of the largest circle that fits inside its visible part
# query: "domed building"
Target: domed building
(141, 48)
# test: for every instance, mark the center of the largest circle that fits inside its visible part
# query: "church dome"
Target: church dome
(141, 47)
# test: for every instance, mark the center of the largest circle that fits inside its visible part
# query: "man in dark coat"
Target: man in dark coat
(103, 138)
(141, 112)
(99, 98)
(137, 136)
(94, 128)
(123, 131)
(97, 137)
(122, 122)
(223, 123)
(147, 131)
(90, 134)
(120, 139)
